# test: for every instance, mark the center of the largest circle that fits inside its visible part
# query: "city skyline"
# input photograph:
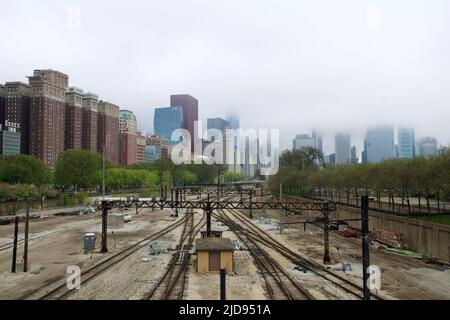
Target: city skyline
(313, 79)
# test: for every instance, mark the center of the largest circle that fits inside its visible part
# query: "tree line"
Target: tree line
(24, 176)
(303, 173)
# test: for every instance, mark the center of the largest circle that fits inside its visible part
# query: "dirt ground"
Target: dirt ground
(57, 242)
(401, 277)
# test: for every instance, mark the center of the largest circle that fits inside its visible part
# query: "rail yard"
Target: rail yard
(157, 256)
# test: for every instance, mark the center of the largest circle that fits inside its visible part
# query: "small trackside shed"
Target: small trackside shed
(214, 254)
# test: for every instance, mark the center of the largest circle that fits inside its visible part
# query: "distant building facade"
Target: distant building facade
(156, 148)
(127, 138)
(379, 144)
(9, 141)
(343, 148)
(17, 110)
(354, 157)
(167, 120)
(140, 150)
(303, 141)
(427, 147)
(90, 122)
(2, 103)
(190, 112)
(74, 118)
(47, 112)
(318, 140)
(108, 131)
(406, 143)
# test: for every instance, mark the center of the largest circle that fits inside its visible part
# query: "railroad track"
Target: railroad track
(62, 291)
(172, 284)
(268, 240)
(279, 284)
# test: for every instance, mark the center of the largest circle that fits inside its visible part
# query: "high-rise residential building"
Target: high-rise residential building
(156, 148)
(108, 131)
(379, 144)
(47, 114)
(354, 157)
(74, 118)
(427, 147)
(2, 103)
(90, 122)
(141, 144)
(343, 148)
(190, 112)
(17, 111)
(128, 138)
(167, 120)
(303, 141)
(406, 143)
(318, 140)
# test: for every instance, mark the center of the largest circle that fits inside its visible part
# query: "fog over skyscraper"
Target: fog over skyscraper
(379, 144)
(343, 146)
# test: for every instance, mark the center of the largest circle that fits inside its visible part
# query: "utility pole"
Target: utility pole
(208, 218)
(251, 213)
(326, 236)
(104, 227)
(25, 245)
(16, 235)
(365, 245)
(104, 171)
(223, 288)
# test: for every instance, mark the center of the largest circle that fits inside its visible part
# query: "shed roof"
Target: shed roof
(212, 244)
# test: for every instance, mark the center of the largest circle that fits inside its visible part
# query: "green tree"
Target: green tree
(24, 169)
(78, 168)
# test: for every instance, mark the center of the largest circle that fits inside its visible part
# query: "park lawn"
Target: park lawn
(442, 219)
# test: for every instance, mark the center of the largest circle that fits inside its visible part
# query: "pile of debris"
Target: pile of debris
(350, 232)
(388, 238)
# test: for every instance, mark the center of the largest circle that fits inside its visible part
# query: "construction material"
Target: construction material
(389, 238)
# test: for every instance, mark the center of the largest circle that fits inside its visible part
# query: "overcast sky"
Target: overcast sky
(292, 65)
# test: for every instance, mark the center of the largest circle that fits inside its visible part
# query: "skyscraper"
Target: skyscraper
(74, 118)
(379, 144)
(318, 140)
(427, 147)
(141, 144)
(190, 112)
(47, 114)
(128, 138)
(167, 120)
(406, 143)
(90, 122)
(354, 157)
(108, 131)
(303, 141)
(17, 110)
(343, 146)
(2, 103)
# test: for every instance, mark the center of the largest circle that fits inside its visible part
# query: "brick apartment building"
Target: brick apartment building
(17, 111)
(2, 104)
(128, 138)
(74, 118)
(108, 131)
(141, 143)
(90, 122)
(47, 111)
